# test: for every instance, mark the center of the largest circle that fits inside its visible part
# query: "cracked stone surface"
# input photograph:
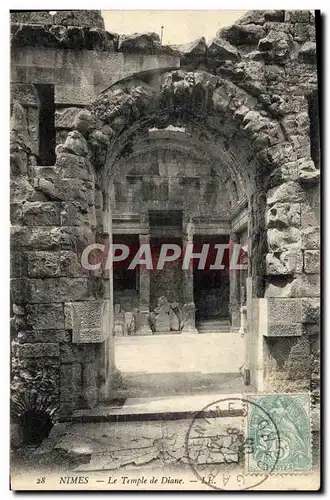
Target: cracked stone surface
(110, 446)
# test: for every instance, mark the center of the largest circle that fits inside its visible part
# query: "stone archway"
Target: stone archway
(225, 115)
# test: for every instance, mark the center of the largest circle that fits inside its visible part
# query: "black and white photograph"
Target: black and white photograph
(165, 288)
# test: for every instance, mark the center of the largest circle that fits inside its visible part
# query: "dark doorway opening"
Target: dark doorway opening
(47, 131)
(126, 281)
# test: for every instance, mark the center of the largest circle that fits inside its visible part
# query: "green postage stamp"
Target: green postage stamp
(279, 426)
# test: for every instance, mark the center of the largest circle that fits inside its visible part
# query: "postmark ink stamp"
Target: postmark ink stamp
(217, 443)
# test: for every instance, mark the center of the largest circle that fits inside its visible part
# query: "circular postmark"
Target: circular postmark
(232, 444)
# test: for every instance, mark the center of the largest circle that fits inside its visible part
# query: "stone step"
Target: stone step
(212, 326)
(213, 329)
(154, 432)
(153, 409)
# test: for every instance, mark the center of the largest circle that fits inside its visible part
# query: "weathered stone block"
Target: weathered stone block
(301, 144)
(70, 386)
(289, 124)
(310, 238)
(297, 16)
(49, 350)
(16, 436)
(25, 93)
(71, 265)
(75, 214)
(284, 263)
(162, 322)
(64, 117)
(311, 329)
(261, 16)
(89, 384)
(311, 310)
(309, 215)
(283, 215)
(174, 321)
(288, 192)
(285, 239)
(312, 261)
(299, 366)
(76, 144)
(18, 264)
(303, 32)
(49, 290)
(308, 174)
(98, 197)
(43, 264)
(84, 122)
(43, 336)
(50, 172)
(302, 286)
(221, 50)
(61, 135)
(288, 330)
(89, 321)
(282, 174)
(70, 95)
(51, 189)
(287, 104)
(307, 53)
(39, 238)
(284, 311)
(45, 316)
(253, 122)
(66, 189)
(278, 45)
(188, 313)
(248, 34)
(76, 238)
(130, 326)
(74, 167)
(74, 353)
(16, 210)
(39, 213)
(309, 285)
(22, 190)
(148, 43)
(20, 290)
(275, 156)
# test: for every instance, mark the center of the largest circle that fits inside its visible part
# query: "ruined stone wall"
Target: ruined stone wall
(279, 70)
(246, 97)
(59, 310)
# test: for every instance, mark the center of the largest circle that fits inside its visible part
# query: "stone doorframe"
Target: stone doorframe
(249, 143)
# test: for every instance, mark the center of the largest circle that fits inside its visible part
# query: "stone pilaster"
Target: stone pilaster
(144, 327)
(189, 325)
(234, 287)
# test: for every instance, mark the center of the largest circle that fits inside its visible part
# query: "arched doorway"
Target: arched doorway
(249, 153)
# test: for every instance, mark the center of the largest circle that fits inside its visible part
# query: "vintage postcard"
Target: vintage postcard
(165, 250)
